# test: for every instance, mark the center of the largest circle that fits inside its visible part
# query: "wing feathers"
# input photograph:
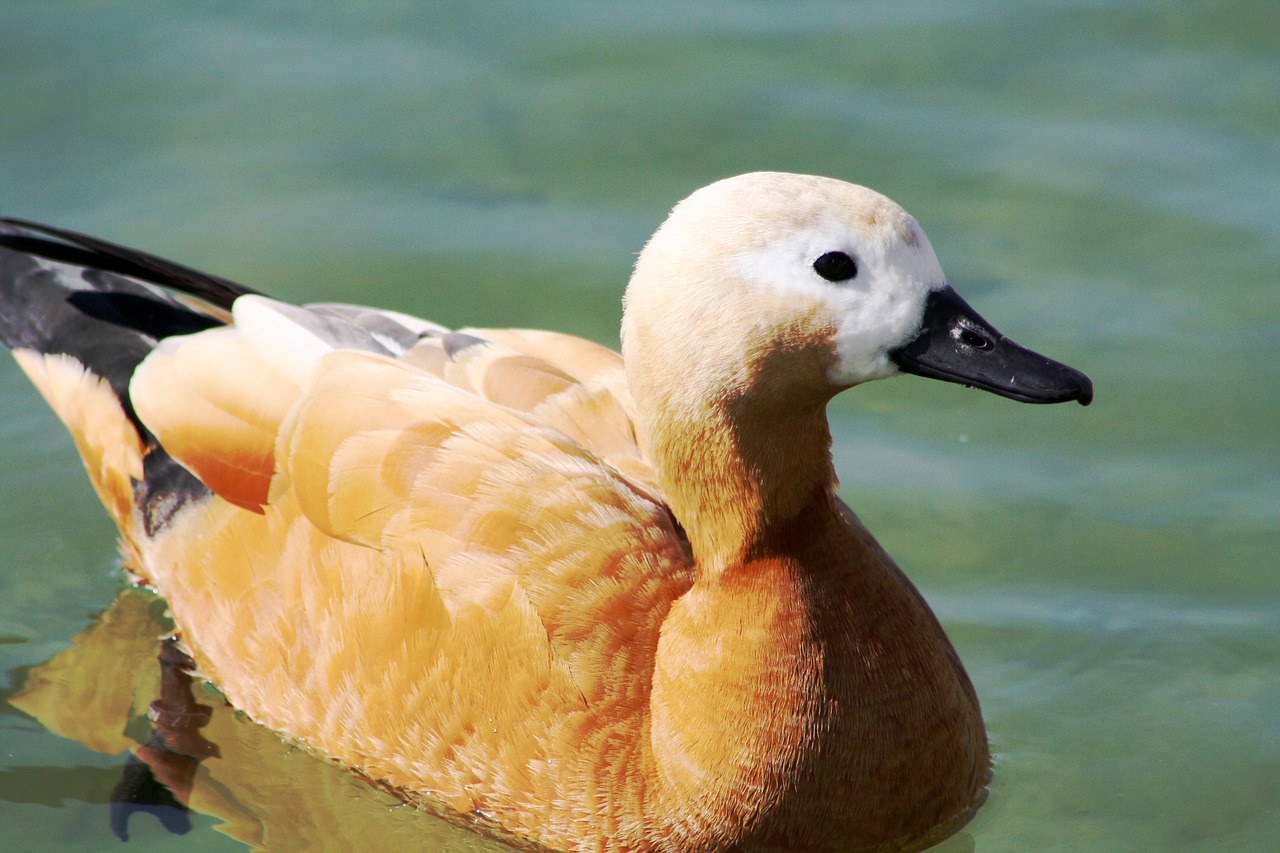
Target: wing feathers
(582, 359)
(438, 523)
(236, 404)
(94, 253)
(382, 456)
(215, 405)
(292, 338)
(397, 332)
(369, 423)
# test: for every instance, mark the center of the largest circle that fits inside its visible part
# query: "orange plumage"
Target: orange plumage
(604, 606)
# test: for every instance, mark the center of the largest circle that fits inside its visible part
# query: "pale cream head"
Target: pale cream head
(728, 282)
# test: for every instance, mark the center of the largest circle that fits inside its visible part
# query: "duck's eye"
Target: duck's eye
(836, 266)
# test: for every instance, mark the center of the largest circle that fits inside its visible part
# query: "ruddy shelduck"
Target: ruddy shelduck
(597, 602)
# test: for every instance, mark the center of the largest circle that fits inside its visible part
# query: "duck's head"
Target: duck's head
(773, 286)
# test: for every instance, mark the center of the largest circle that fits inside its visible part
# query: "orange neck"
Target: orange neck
(802, 684)
(732, 476)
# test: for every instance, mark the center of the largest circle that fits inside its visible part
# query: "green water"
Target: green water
(1099, 179)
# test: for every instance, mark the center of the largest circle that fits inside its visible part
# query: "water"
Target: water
(1099, 179)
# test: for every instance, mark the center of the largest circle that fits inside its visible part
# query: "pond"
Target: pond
(1099, 180)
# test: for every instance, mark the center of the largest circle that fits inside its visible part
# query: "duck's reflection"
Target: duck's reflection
(157, 779)
(187, 751)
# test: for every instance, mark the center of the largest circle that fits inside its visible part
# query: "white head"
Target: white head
(760, 298)
(832, 275)
(775, 287)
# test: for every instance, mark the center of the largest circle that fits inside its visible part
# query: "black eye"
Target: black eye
(836, 266)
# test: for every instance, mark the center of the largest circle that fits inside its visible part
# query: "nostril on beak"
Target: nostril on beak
(970, 338)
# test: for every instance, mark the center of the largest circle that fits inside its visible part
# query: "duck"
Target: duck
(586, 600)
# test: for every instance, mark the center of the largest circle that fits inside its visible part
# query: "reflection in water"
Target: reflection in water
(158, 777)
(187, 750)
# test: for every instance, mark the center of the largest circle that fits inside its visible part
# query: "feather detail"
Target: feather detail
(108, 444)
(215, 404)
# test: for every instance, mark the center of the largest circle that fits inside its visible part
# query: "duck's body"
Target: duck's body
(602, 611)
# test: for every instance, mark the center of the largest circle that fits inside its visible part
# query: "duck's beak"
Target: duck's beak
(956, 345)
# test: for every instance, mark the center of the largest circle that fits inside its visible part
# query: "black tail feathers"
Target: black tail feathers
(70, 247)
(96, 301)
(107, 306)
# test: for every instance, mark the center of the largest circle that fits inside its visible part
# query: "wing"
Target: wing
(427, 546)
(192, 388)
(433, 555)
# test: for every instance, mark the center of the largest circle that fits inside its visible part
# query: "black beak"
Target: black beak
(956, 345)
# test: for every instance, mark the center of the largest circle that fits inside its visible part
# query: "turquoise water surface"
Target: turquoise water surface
(1101, 180)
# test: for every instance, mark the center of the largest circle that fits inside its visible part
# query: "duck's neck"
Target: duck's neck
(733, 476)
(802, 683)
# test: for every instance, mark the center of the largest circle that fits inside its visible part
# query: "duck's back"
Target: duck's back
(412, 549)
